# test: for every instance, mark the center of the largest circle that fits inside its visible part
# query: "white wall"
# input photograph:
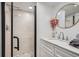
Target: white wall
(0, 33)
(44, 13)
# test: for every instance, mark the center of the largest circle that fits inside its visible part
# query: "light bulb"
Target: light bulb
(30, 7)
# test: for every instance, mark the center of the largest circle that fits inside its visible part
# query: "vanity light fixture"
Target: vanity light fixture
(30, 7)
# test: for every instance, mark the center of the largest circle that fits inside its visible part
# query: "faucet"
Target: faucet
(59, 37)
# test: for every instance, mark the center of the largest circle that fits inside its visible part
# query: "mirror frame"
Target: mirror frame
(65, 22)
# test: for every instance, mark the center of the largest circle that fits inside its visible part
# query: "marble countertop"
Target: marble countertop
(62, 44)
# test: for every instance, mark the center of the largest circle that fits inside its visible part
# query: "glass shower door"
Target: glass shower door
(23, 29)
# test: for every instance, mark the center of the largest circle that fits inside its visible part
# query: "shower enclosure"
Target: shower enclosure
(20, 22)
(0, 32)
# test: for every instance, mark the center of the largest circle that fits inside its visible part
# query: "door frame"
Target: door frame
(11, 29)
(35, 31)
(3, 27)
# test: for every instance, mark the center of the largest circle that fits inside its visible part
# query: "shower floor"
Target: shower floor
(25, 55)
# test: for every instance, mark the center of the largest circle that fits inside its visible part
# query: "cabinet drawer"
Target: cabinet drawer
(45, 53)
(64, 53)
(47, 44)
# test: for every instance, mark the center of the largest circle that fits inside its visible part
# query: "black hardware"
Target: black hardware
(17, 43)
(11, 29)
(35, 31)
(73, 20)
(3, 27)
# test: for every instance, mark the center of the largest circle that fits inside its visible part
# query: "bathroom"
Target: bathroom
(27, 30)
(56, 40)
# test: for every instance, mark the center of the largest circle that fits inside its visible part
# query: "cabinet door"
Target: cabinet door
(46, 48)
(49, 45)
(45, 53)
(60, 52)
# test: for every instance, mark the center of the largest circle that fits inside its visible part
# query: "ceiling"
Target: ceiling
(24, 6)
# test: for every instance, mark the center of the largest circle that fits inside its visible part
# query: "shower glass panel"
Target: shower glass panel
(7, 29)
(23, 29)
(0, 33)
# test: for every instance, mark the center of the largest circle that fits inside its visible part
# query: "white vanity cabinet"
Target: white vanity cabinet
(61, 52)
(48, 49)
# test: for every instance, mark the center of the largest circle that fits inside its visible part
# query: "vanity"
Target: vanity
(56, 48)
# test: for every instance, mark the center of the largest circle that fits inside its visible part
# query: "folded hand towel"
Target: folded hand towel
(75, 43)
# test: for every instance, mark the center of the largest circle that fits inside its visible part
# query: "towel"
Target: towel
(75, 43)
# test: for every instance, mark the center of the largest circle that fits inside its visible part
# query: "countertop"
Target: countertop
(62, 44)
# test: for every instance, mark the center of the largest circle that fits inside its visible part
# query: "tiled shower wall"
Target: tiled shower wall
(23, 28)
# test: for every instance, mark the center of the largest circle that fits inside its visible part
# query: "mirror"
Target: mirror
(68, 16)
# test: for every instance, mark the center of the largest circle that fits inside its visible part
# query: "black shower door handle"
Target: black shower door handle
(17, 42)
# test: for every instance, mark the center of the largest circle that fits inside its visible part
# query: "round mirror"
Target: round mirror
(68, 15)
